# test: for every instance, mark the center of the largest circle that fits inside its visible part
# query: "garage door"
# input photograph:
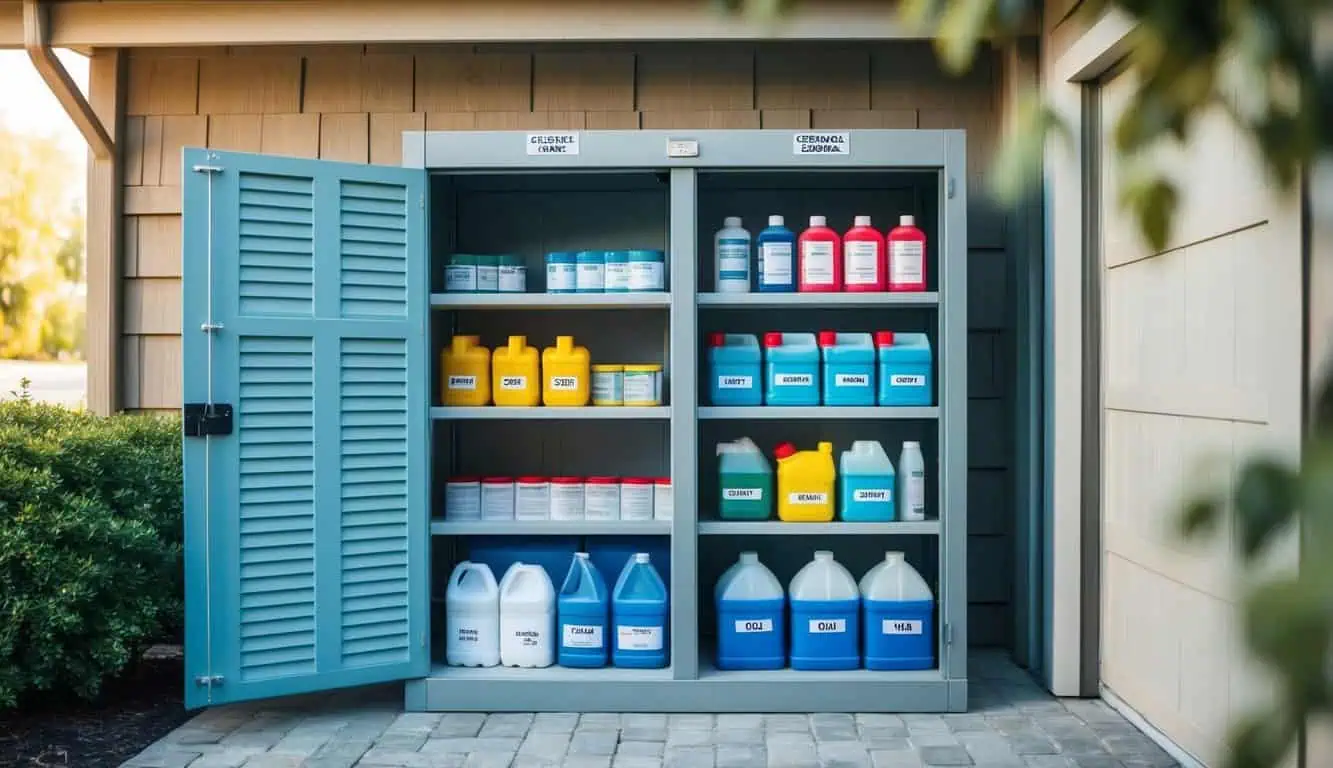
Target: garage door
(1200, 356)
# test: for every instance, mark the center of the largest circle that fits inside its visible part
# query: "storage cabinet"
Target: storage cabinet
(315, 311)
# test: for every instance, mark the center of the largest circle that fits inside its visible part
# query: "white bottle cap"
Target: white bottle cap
(911, 444)
(732, 221)
(862, 221)
(775, 221)
(893, 557)
(641, 557)
(581, 555)
(823, 554)
(817, 221)
(749, 557)
(907, 220)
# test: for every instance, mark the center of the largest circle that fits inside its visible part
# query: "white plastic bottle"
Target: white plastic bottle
(731, 257)
(911, 483)
(527, 617)
(472, 617)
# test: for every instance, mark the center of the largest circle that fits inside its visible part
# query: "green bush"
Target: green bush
(90, 545)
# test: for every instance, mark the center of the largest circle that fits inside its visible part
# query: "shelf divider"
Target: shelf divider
(683, 357)
(822, 413)
(542, 413)
(837, 528)
(549, 300)
(440, 527)
(762, 300)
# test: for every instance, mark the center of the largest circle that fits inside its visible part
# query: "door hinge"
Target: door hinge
(951, 190)
(207, 169)
(948, 634)
(203, 419)
(208, 681)
(421, 202)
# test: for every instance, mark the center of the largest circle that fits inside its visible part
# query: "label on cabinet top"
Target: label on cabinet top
(553, 143)
(821, 143)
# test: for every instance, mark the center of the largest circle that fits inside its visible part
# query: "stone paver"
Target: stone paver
(1012, 724)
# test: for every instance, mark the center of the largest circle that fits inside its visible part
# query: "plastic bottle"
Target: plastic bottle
(745, 482)
(825, 616)
(791, 375)
(864, 265)
(527, 617)
(777, 257)
(733, 370)
(911, 483)
(898, 616)
(821, 258)
(583, 611)
(731, 253)
(566, 374)
(515, 374)
(849, 368)
(865, 483)
(465, 370)
(805, 483)
(905, 365)
(472, 617)
(750, 602)
(639, 613)
(907, 256)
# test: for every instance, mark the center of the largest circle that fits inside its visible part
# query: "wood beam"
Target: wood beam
(36, 36)
(106, 87)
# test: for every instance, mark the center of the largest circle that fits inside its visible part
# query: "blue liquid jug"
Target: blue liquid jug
(899, 616)
(582, 614)
(791, 369)
(849, 368)
(866, 483)
(904, 369)
(733, 369)
(639, 616)
(825, 616)
(751, 632)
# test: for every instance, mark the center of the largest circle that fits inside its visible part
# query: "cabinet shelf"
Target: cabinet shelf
(759, 300)
(498, 413)
(780, 528)
(550, 528)
(549, 300)
(828, 412)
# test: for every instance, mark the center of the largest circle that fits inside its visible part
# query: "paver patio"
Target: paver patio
(1012, 724)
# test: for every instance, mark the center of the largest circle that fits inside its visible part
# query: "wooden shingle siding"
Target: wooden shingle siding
(352, 104)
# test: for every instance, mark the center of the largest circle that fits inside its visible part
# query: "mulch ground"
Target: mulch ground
(131, 713)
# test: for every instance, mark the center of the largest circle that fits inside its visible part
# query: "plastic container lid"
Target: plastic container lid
(662, 481)
(717, 339)
(509, 261)
(818, 221)
(582, 555)
(498, 479)
(861, 221)
(567, 480)
(642, 557)
(591, 257)
(605, 480)
(732, 222)
(532, 479)
(463, 260)
(828, 338)
(775, 221)
(616, 257)
(465, 479)
(823, 554)
(907, 220)
(560, 257)
(636, 481)
(487, 261)
(883, 338)
(646, 255)
(607, 368)
(783, 451)
(772, 339)
(643, 368)
(911, 444)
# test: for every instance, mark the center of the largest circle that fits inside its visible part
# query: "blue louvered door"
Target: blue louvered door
(305, 310)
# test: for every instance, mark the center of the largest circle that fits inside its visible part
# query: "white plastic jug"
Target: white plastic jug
(472, 617)
(823, 579)
(894, 580)
(748, 579)
(865, 457)
(911, 483)
(527, 617)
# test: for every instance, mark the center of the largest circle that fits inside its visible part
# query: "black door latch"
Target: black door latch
(201, 419)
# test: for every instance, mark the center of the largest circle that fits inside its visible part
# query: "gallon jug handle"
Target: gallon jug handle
(461, 572)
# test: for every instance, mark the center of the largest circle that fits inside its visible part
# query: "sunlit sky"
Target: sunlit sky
(29, 107)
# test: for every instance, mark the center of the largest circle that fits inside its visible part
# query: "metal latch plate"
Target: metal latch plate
(204, 419)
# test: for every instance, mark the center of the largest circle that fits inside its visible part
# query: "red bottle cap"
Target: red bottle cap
(784, 450)
(567, 480)
(883, 338)
(636, 481)
(717, 339)
(772, 339)
(532, 479)
(828, 338)
(465, 479)
(662, 481)
(497, 479)
(603, 480)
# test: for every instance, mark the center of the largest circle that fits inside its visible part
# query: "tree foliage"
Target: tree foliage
(41, 250)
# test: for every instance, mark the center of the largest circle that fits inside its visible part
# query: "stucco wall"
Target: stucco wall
(352, 103)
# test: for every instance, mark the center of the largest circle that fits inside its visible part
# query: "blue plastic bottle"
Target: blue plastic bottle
(899, 616)
(904, 369)
(639, 616)
(791, 369)
(751, 632)
(866, 484)
(825, 616)
(582, 615)
(777, 257)
(849, 368)
(733, 369)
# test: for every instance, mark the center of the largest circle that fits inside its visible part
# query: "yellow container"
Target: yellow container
(516, 374)
(805, 484)
(465, 370)
(566, 370)
(643, 385)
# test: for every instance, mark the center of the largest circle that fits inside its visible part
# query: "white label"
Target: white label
(591, 277)
(851, 380)
(553, 143)
(527, 638)
(821, 143)
(488, 279)
(560, 277)
(639, 638)
(662, 502)
(460, 278)
(807, 498)
(828, 626)
(753, 626)
(743, 494)
(466, 634)
(617, 276)
(601, 501)
(564, 383)
(735, 382)
(532, 501)
(462, 382)
(906, 380)
(872, 494)
(636, 502)
(682, 148)
(582, 636)
(513, 382)
(901, 627)
(860, 262)
(645, 276)
(817, 262)
(513, 279)
(915, 502)
(462, 501)
(641, 388)
(793, 379)
(906, 261)
(566, 501)
(775, 263)
(497, 501)
(733, 258)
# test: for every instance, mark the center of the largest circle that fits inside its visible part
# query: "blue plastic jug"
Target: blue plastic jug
(582, 614)
(904, 369)
(639, 616)
(791, 369)
(500, 552)
(849, 368)
(610, 554)
(733, 369)
(751, 632)
(899, 616)
(866, 484)
(825, 616)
